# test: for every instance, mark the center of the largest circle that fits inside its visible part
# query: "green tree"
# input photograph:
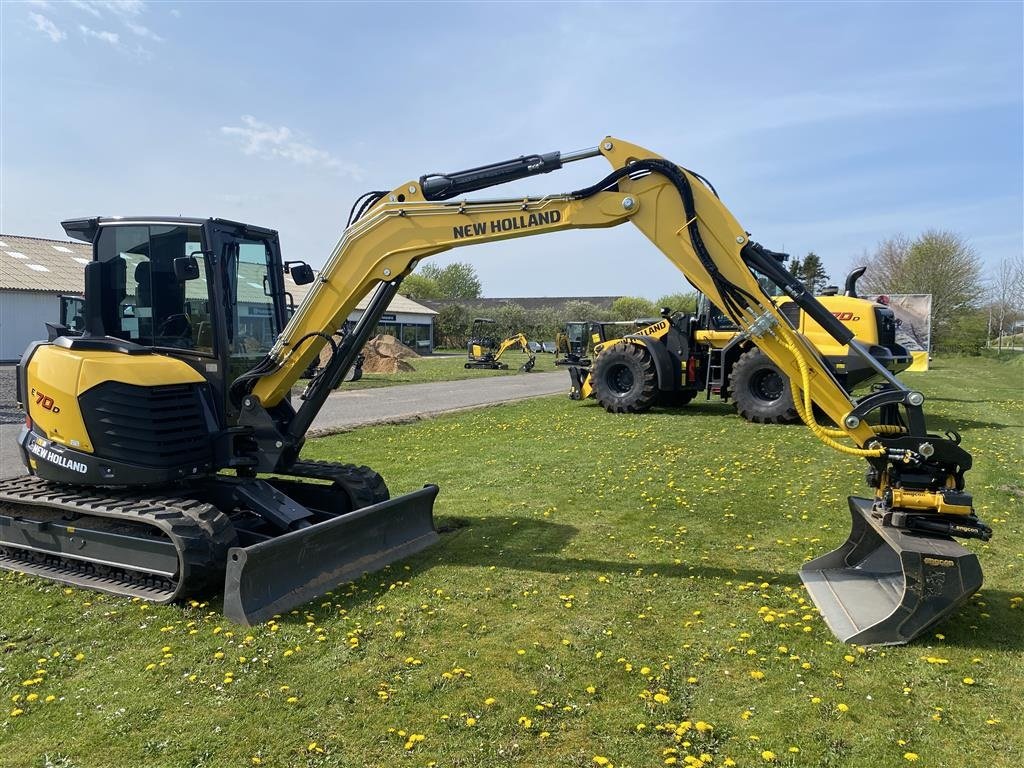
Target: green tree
(632, 307)
(966, 334)
(812, 273)
(451, 326)
(795, 267)
(456, 281)
(420, 287)
(511, 319)
(679, 302)
(938, 262)
(584, 310)
(544, 324)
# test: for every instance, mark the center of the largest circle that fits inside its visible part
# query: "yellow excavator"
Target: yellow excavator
(163, 447)
(484, 351)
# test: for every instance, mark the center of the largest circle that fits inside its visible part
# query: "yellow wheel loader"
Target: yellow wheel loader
(163, 446)
(673, 359)
(484, 350)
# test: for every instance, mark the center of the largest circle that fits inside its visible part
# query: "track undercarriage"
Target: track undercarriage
(169, 544)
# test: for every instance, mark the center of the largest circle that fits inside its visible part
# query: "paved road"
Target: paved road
(409, 402)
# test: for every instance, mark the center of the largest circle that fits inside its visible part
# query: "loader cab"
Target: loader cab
(711, 318)
(210, 292)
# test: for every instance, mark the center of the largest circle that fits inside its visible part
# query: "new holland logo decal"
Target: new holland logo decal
(57, 458)
(507, 224)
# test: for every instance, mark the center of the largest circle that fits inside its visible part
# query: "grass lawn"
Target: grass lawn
(616, 590)
(451, 369)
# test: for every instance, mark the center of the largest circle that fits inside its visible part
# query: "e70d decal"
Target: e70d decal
(45, 401)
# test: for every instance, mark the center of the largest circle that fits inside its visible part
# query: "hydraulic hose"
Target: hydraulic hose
(805, 406)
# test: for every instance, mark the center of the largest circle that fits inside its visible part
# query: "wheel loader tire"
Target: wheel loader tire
(760, 391)
(624, 379)
(676, 399)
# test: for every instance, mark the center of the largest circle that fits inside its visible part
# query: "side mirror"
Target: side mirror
(186, 268)
(302, 273)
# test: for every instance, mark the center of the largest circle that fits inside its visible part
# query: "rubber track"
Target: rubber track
(364, 486)
(199, 531)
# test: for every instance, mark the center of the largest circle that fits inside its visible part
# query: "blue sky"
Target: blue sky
(825, 127)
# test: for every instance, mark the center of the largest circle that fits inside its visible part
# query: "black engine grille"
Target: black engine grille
(164, 426)
(791, 311)
(886, 326)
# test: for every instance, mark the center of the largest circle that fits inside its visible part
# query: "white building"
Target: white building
(34, 273)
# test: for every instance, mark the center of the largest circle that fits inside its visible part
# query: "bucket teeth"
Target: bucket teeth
(886, 585)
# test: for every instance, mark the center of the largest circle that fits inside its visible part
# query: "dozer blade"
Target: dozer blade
(885, 585)
(274, 576)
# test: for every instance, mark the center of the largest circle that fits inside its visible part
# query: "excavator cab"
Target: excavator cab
(177, 312)
(482, 342)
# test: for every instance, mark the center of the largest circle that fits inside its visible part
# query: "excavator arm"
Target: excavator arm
(671, 206)
(519, 340)
(917, 476)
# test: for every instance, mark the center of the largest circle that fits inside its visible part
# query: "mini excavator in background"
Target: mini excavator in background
(163, 446)
(484, 350)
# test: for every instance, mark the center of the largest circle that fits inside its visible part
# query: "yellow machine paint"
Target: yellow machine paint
(920, 361)
(57, 376)
(854, 313)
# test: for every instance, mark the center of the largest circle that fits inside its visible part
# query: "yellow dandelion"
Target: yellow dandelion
(842, 707)
(911, 757)
(768, 756)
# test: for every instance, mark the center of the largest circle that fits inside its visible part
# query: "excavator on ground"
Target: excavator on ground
(163, 446)
(672, 359)
(483, 350)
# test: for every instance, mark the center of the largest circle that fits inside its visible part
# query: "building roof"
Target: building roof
(35, 264)
(399, 304)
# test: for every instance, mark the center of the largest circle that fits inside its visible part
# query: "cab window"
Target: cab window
(145, 302)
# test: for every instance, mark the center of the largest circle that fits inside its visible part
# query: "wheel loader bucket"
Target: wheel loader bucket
(274, 576)
(885, 585)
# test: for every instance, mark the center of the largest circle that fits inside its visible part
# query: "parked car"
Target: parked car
(549, 347)
(535, 346)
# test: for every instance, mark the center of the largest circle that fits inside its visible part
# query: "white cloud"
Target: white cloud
(87, 7)
(117, 7)
(143, 31)
(264, 140)
(47, 27)
(175, 13)
(108, 37)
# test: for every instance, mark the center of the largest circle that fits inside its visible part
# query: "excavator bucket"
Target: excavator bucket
(885, 585)
(274, 576)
